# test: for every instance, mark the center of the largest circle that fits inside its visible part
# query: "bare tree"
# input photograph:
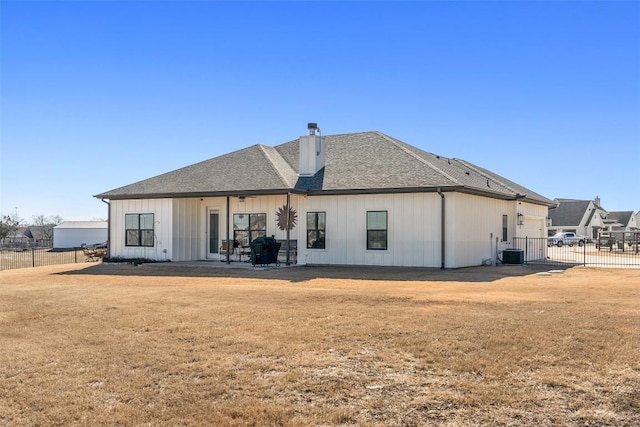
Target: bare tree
(9, 224)
(46, 224)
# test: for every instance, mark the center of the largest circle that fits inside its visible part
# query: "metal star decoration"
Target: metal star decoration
(281, 218)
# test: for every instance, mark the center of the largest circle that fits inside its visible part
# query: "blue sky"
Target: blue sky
(96, 95)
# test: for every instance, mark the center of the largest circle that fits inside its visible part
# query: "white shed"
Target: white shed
(72, 234)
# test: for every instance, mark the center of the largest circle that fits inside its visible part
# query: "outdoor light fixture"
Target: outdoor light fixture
(520, 219)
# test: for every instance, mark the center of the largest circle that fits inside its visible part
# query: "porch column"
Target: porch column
(288, 225)
(227, 227)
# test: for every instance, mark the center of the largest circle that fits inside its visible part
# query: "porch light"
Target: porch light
(520, 219)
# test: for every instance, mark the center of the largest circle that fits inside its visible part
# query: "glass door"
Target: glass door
(213, 225)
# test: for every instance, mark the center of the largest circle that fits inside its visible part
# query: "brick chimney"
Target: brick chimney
(312, 151)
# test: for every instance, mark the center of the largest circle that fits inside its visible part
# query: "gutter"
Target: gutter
(108, 227)
(442, 228)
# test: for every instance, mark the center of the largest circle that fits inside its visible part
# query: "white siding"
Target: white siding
(267, 204)
(473, 227)
(413, 230)
(187, 229)
(163, 213)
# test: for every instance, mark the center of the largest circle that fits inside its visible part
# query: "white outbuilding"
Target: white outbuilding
(72, 234)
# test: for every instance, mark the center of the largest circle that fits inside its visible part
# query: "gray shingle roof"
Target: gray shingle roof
(622, 217)
(367, 162)
(568, 213)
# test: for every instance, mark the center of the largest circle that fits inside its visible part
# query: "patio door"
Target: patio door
(213, 233)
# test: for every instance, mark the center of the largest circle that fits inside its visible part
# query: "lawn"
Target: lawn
(167, 345)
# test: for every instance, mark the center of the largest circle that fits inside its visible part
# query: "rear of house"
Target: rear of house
(356, 199)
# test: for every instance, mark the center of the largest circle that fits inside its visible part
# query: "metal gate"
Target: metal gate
(613, 252)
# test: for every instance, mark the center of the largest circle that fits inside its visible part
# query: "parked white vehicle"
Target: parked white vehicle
(566, 238)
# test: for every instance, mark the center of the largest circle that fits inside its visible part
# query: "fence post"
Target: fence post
(584, 253)
(526, 248)
(75, 256)
(33, 257)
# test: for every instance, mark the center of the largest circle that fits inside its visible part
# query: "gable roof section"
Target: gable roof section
(354, 163)
(568, 212)
(256, 168)
(621, 217)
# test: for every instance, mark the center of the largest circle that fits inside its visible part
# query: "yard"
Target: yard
(95, 344)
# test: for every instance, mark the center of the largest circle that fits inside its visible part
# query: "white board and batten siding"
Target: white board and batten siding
(190, 221)
(187, 226)
(414, 227)
(413, 230)
(474, 227)
(162, 210)
(72, 234)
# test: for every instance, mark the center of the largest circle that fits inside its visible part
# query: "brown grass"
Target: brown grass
(164, 345)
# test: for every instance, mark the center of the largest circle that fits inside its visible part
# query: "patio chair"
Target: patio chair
(226, 249)
(90, 254)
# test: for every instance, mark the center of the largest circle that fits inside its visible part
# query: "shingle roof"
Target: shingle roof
(569, 212)
(622, 217)
(367, 161)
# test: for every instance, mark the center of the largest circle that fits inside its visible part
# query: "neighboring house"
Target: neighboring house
(40, 236)
(583, 217)
(72, 234)
(357, 199)
(18, 238)
(30, 236)
(621, 221)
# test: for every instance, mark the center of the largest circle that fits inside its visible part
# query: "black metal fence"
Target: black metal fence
(615, 253)
(11, 259)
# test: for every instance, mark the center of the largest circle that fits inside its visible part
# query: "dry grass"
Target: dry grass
(132, 345)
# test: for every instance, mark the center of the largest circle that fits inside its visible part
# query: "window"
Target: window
(316, 230)
(247, 227)
(505, 222)
(377, 230)
(139, 229)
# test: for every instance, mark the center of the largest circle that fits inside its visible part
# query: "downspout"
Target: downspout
(228, 241)
(108, 228)
(288, 225)
(441, 228)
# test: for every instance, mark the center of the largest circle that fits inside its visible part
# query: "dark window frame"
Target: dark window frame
(505, 227)
(138, 236)
(250, 233)
(378, 238)
(318, 241)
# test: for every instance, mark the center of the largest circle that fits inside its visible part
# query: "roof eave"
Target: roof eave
(330, 192)
(196, 194)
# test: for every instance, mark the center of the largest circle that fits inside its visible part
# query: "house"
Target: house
(30, 236)
(72, 234)
(359, 199)
(19, 237)
(583, 217)
(621, 221)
